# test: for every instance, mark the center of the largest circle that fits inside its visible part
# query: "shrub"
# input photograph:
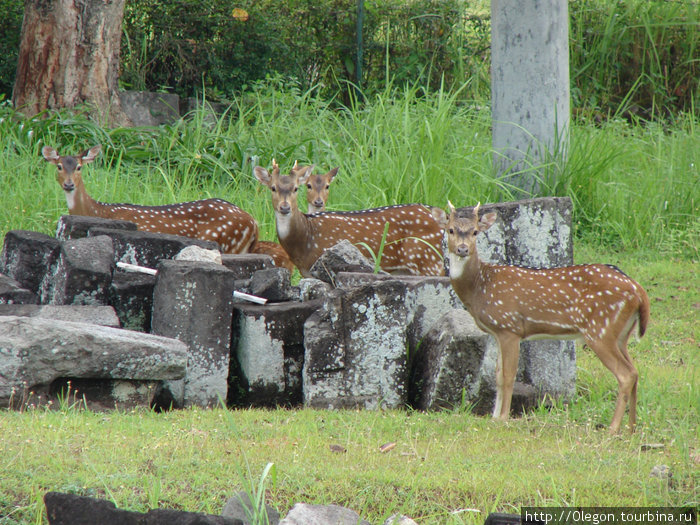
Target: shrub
(10, 30)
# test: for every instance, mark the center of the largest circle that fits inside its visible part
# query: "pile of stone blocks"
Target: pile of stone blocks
(346, 338)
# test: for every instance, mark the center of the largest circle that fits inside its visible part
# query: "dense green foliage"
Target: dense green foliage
(637, 56)
(10, 31)
(627, 58)
(228, 46)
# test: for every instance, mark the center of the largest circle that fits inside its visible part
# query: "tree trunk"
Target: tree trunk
(68, 56)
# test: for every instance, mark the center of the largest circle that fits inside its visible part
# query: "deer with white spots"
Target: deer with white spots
(317, 188)
(211, 219)
(412, 243)
(593, 303)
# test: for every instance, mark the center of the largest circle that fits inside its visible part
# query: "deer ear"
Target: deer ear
(91, 154)
(439, 215)
(50, 154)
(332, 174)
(450, 207)
(303, 176)
(487, 220)
(262, 175)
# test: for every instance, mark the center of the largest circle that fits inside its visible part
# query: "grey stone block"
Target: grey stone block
(343, 257)
(99, 315)
(240, 507)
(37, 352)
(268, 353)
(449, 363)
(426, 299)
(147, 108)
(148, 248)
(131, 295)
(244, 265)
(310, 289)
(27, 256)
(70, 509)
(306, 514)
(214, 110)
(455, 365)
(77, 226)
(533, 232)
(356, 349)
(11, 292)
(193, 302)
(82, 274)
(272, 284)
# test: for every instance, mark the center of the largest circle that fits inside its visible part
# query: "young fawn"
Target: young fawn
(593, 303)
(212, 219)
(413, 239)
(317, 188)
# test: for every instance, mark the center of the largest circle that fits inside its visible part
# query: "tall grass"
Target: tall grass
(636, 57)
(632, 185)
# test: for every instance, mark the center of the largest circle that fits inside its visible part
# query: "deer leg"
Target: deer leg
(499, 384)
(633, 390)
(509, 350)
(622, 344)
(624, 371)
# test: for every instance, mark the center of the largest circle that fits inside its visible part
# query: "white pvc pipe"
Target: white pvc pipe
(134, 268)
(142, 269)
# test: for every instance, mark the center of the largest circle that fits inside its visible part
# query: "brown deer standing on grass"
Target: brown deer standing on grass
(412, 243)
(317, 188)
(593, 303)
(211, 219)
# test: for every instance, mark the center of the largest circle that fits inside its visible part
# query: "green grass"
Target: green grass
(635, 193)
(633, 186)
(443, 462)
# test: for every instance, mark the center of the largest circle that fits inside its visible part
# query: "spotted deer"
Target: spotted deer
(412, 243)
(317, 188)
(211, 219)
(593, 303)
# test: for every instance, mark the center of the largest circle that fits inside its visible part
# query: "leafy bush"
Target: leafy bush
(635, 57)
(10, 30)
(227, 46)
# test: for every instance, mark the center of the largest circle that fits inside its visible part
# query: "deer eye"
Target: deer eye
(308, 186)
(78, 167)
(328, 186)
(60, 167)
(452, 230)
(296, 188)
(273, 188)
(475, 232)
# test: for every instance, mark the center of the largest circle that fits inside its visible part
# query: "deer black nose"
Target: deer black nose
(462, 250)
(68, 186)
(318, 203)
(284, 208)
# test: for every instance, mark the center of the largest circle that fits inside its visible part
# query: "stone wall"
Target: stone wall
(366, 341)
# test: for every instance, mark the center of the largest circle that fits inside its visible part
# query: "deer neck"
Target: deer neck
(466, 277)
(80, 203)
(78, 200)
(294, 232)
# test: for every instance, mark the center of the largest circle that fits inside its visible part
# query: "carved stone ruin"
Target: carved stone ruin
(359, 340)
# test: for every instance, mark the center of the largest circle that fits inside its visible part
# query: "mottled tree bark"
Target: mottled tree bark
(68, 56)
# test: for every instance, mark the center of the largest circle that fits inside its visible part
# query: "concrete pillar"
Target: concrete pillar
(529, 88)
